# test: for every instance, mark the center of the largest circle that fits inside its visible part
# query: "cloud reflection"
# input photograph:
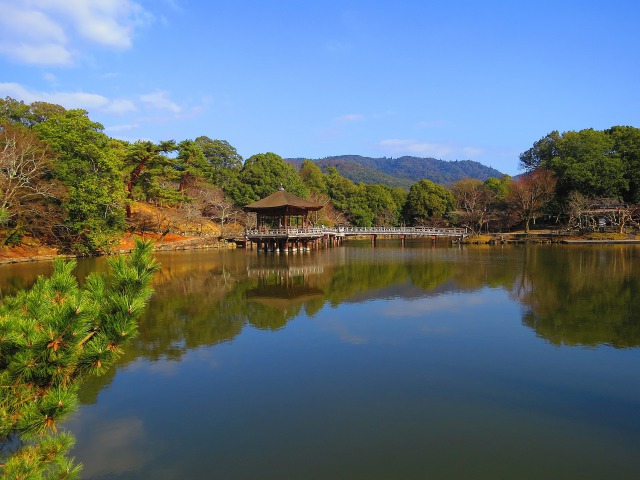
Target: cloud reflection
(122, 439)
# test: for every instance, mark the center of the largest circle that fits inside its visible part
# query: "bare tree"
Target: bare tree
(529, 194)
(215, 204)
(473, 201)
(327, 215)
(26, 189)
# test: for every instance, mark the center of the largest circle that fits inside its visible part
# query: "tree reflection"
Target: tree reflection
(587, 296)
(572, 296)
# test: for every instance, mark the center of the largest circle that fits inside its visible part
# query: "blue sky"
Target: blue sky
(455, 80)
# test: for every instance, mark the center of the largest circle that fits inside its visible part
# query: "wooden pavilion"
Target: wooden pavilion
(283, 222)
(282, 210)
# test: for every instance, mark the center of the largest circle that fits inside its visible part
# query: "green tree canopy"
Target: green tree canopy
(90, 165)
(151, 172)
(313, 177)
(597, 164)
(428, 202)
(225, 162)
(262, 175)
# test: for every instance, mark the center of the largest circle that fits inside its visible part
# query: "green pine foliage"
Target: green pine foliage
(51, 337)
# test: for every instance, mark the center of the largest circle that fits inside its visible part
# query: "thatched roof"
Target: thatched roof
(282, 200)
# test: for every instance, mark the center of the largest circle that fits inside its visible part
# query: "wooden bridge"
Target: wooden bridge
(285, 239)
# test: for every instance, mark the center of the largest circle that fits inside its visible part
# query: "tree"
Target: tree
(385, 204)
(224, 161)
(340, 189)
(213, 203)
(595, 163)
(588, 163)
(428, 202)
(264, 174)
(28, 194)
(328, 214)
(51, 338)
(89, 164)
(542, 152)
(313, 177)
(626, 143)
(473, 202)
(148, 165)
(191, 164)
(530, 193)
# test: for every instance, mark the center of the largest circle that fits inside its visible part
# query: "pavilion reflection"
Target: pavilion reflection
(286, 287)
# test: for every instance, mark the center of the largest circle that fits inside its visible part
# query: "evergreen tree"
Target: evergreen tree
(51, 337)
(90, 165)
(262, 175)
(428, 202)
(313, 177)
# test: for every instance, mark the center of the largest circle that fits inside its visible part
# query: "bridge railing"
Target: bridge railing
(319, 231)
(403, 231)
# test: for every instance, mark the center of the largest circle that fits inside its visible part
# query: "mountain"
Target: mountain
(402, 171)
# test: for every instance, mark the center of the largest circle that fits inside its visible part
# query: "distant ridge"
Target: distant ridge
(402, 171)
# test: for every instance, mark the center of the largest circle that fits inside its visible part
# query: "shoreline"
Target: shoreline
(189, 243)
(199, 243)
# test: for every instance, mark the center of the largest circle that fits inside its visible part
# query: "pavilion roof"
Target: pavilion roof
(282, 199)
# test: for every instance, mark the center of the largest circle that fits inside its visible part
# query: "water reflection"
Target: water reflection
(369, 359)
(584, 297)
(571, 295)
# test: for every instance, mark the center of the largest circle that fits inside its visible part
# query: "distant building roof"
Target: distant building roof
(282, 200)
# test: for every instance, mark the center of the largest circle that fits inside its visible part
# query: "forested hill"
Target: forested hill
(402, 171)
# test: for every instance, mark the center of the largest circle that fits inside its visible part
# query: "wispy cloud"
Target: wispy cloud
(50, 32)
(87, 101)
(127, 127)
(350, 117)
(413, 147)
(397, 146)
(120, 106)
(160, 100)
(50, 77)
(66, 99)
(444, 303)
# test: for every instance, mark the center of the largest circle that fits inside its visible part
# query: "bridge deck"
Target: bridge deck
(317, 232)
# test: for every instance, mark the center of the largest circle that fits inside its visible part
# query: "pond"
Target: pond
(428, 361)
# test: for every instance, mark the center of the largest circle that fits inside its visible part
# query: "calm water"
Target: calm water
(355, 363)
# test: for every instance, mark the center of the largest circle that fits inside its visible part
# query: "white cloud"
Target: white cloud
(120, 106)
(37, 53)
(414, 147)
(122, 128)
(350, 117)
(88, 101)
(19, 19)
(49, 32)
(429, 305)
(447, 151)
(160, 100)
(105, 22)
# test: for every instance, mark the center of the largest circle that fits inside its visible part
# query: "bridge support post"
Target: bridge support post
(402, 237)
(373, 240)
